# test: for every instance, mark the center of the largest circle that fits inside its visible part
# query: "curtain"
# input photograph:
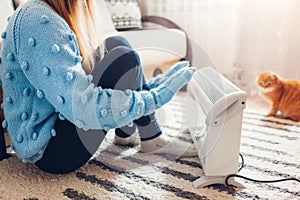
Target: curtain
(242, 37)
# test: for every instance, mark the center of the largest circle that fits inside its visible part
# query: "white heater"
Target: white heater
(215, 110)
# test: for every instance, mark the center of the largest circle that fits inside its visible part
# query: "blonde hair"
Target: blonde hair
(83, 19)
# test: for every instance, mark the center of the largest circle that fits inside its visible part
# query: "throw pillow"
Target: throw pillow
(126, 14)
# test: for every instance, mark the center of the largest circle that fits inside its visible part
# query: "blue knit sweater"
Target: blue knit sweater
(43, 79)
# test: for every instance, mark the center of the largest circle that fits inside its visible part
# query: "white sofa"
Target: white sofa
(156, 46)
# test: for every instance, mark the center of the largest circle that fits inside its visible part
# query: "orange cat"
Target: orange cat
(283, 94)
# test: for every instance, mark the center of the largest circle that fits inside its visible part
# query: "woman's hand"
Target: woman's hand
(163, 77)
(165, 88)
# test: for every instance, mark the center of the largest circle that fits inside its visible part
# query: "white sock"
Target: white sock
(162, 144)
(154, 144)
(133, 139)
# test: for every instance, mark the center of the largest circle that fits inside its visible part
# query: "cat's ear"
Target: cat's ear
(273, 76)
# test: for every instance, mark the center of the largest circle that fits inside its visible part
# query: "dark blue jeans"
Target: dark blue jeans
(72, 147)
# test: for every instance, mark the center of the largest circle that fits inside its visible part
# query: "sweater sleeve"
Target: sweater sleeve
(48, 54)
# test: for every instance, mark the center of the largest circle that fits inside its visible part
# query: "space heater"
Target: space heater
(215, 107)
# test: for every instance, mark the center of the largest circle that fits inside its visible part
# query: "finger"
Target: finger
(179, 79)
(163, 77)
(154, 81)
(184, 73)
(176, 67)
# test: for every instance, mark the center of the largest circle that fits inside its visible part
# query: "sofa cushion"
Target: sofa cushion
(125, 14)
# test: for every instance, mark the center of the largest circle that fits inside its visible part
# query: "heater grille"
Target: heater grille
(229, 87)
(213, 84)
(212, 93)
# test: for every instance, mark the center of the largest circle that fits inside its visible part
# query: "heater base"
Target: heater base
(210, 180)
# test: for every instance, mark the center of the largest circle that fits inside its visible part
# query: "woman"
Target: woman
(59, 102)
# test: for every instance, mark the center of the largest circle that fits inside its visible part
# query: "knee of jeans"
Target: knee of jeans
(130, 56)
(115, 41)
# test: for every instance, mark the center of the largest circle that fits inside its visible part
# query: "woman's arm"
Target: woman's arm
(48, 53)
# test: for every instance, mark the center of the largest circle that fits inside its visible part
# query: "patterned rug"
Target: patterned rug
(270, 146)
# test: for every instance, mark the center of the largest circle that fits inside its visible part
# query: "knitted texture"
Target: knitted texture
(43, 78)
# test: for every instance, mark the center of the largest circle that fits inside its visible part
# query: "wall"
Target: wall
(269, 37)
(242, 37)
